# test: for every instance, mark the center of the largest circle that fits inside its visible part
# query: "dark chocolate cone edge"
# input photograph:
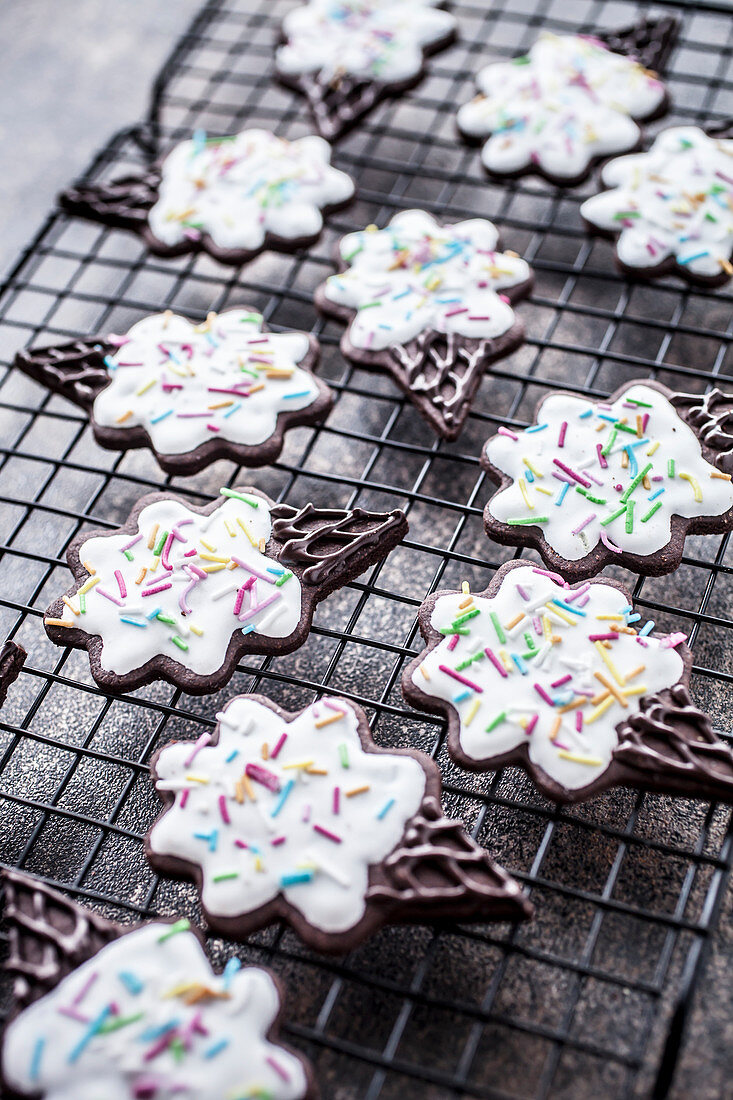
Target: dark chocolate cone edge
(12, 659)
(649, 41)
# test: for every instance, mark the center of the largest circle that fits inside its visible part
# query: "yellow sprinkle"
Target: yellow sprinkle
(639, 423)
(600, 710)
(425, 672)
(472, 712)
(531, 468)
(619, 618)
(125, 416)
(328, 721)
(254, 389)
(196, 779)
(611, 687)
(70, 605)
(277, 372)
(357, 790)
(505, 660)
(145, 388)
(523, 490)
(252, 541)
(214, 557)
(640, 690)
(555, 727)
(89, 584)
(546, 492)
(299, 764)
(208, 546)
(166, 317)
(152, 536)
(89, 568)
(546, 627)
(718, 474)
(152, 568)
(727, 266)
(624, 459)
(620, 680)
(654, 447)
(212, 568)
(230, 529)
(261, 545)
(592, 761)
(220, 405)
(258, 864)
(195, 629)
(58, 622)
(561, 614)
(465, 588)
(694, 483)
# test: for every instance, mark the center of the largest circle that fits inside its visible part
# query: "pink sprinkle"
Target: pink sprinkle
(586, 521)
(602, 637)
(73, 1014)
(213, 428)
(576, 477)
(281, 741)
(577, 592)
(453, 642)
(336, 800)
(334, 706)
(240, 595)
(461, 679)
(609, 545)
(184, 798)
(253, 571)
(121, 584)
(109, 596)
(673, 640)
(202, 741)
(327, 833)
(561, 681)
(175, 531)
(644, 421)
(522, 592)
(306, 813)
(151, 591)
(277, 841)
(537, 624)
(259, 607)
(191, 553)
(118, 341)
(531, 724)
(505, 431)
(578, 720)
(263, 776)
(166, 550)
(553, 577)
(543, 694)
(561, 745)
(223, 810)
(130, 544)
(85, 988)
(496, 662)
(505, 299)
(458, 309)
(563, 430)
(584, 601)
(474, 318)
(240, 843)
(278, 1068)
(194, 569)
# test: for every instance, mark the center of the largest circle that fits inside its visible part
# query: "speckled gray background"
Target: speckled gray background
(578, 1003)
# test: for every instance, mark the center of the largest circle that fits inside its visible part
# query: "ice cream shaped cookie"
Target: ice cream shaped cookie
(670, 210)
(191, 392)
(430, 304)
(300, 817)
(347, 55)
(570, 101)
(623, 480)
(180, 593)
(228, 196)
(104, 1010)
(569, 683)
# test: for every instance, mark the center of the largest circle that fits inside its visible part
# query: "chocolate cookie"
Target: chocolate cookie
(180, 593)
(12, 659)
(300, 817)
(623, 480)
(347, 55)
(566, 682)
(229, 196)
(107, 1011)
(670, 209)
(191, 393)
(429, 304)
(572, 100)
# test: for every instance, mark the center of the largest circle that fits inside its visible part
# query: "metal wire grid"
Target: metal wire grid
(595, 995)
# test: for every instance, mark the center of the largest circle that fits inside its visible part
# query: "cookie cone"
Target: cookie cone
(649, 41)
(123, 202)
(12, 659)
(75, 370)
(48, 936)
(669, 745)
(337, 104)
(711, 417)
(438, 863)
(320, 544)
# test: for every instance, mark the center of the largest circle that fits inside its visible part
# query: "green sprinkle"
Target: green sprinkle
(636, 482)
(624, 214)
(122, 1021)
(629, 517)
(497, 627)
(369, 305)
(158, 550)
(466, 616)
(589, 496)
(352, 255)
(655, 507)
(529, 654)
(256, 317)
(452, 630)
(344, 756)
(610, 519)
(610, 442)
(165, 619)
(179, 926)
(529, 642)
(83, 602)
(496, 721)
(281, 582)
(470, 660)
(670, 468)
(636, 401)
(225, 876)
(238, 496)
(524, 60)
(128, 555)
(530, 520)
(625, 428)
(179, 642)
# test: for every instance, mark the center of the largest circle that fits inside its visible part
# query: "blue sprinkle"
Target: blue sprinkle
(110, 363)
(647, 628)
(296, 878)
(563, 491)
(459, 698)
(162, 1029)
(35, 1066)
(88, 1035)
(283, 797)
(154, 614)
(230, 970)
(211, 838)
(402, 294)
(655, 494)
(633, 618)
(274, 569)
(161, 416)
(131, 982)
(303, 393)
(385, 809)
(521, 666)
(535, 428)
(216, 1049)
(569, 607)
(132, 622)
(234, 753)
(605, 416)
(691, 259)
(586, 414)
(235, 406)
(248, 629)
(529, 476)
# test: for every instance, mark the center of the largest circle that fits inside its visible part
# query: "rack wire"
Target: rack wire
(596, 996)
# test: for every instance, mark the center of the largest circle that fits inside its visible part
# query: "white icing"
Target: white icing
(425, 276)
(170, 372)
(381, 40)
(238, 189)
(571, 757)
(676, 200)
(211, 601)
(368, 825)
(44, 1050)
(568, 101)
(561, 518)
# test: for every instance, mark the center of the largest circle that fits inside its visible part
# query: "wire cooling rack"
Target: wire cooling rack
(595, 997)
